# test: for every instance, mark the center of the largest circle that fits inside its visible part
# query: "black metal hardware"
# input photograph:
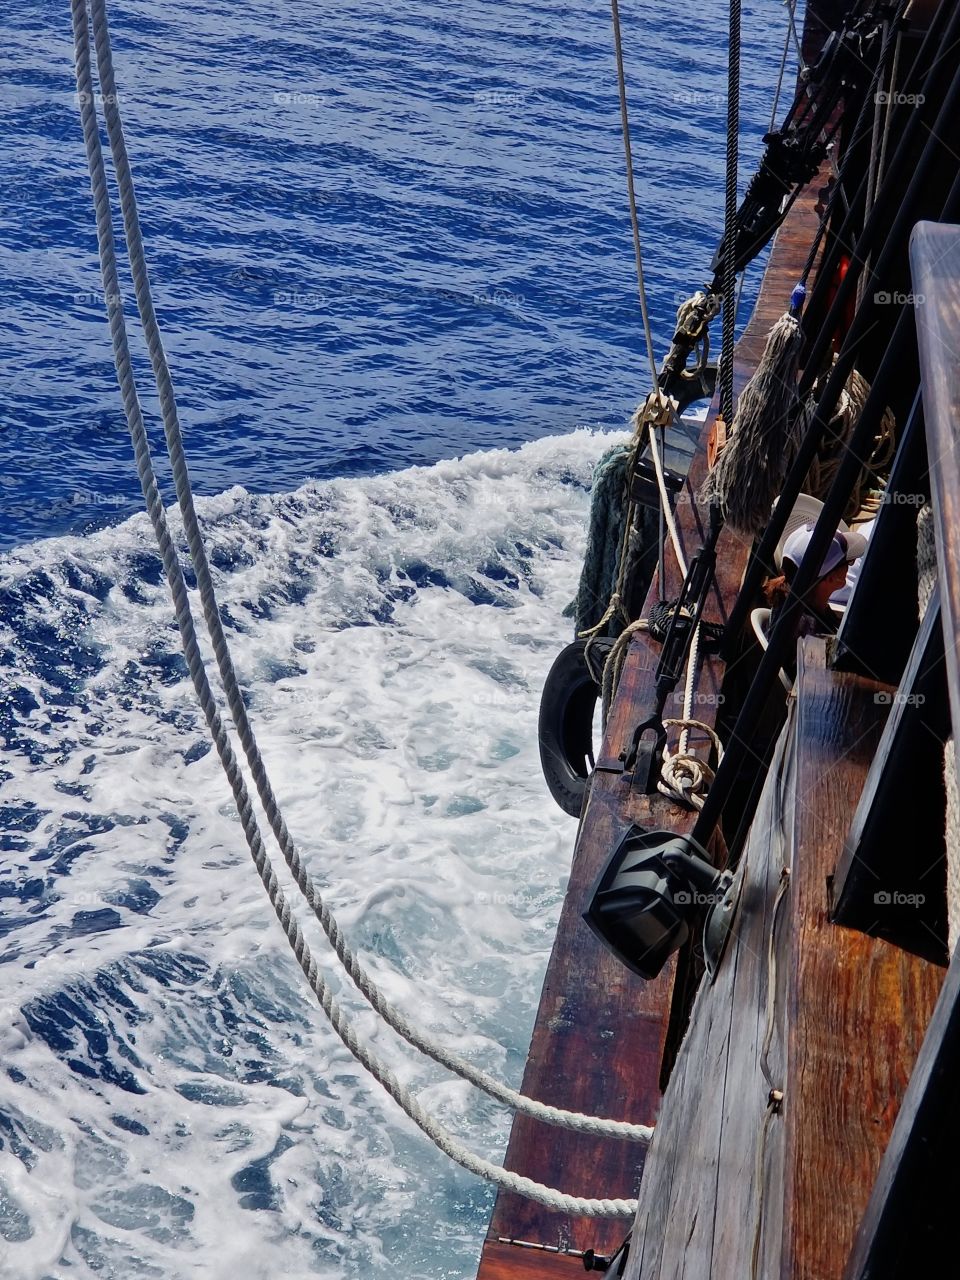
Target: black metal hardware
(650, 890)
(646, 753)
(644, 488)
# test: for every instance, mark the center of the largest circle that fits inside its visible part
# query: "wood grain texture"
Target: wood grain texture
(699, 1209)
(908, 1227)
(723, 1173)
(513, 1262)
(856, 1005)
(935, 263)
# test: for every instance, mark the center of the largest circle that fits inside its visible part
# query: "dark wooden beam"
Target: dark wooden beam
(909, 1227)
(889, 571)
(935, 258)
(856, 1006)
(890, 880)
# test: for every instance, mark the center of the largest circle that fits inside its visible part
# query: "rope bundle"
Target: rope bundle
(763, 437)
(824, 467)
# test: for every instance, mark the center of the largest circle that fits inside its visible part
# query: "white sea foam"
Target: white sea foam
(173, 1103)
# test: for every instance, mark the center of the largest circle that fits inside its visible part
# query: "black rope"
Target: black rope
(660, 617)
(896, 193)
(859, 129)
(739, 746)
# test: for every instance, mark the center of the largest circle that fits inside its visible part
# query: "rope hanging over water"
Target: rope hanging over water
(728, 318)
(185, 622)
(617, 561)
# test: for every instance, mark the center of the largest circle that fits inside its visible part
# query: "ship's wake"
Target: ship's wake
(172, 1104)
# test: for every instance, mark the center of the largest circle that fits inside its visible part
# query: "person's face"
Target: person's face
(828, 584)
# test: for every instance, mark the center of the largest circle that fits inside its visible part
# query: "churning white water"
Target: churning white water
(172, 1102)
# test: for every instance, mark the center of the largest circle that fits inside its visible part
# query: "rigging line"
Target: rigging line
(805, 97)
(665, 513)
(894, 77)
(741, 282)
(661, 516)
(665, 501)
(318, 983)
(792, 10)
(683, 774)
(631, 191)
(783, 64)
(881, 159)
(877, 86)
(857, 133)
(728, 318)
(328, 922)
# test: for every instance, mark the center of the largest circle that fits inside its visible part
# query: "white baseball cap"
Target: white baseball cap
(806, 510)
(845, 547)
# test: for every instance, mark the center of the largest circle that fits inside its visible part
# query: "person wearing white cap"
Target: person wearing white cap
(816, 617)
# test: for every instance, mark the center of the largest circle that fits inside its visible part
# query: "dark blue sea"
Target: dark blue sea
(391, 255)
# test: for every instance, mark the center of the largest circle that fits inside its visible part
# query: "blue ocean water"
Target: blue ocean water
(392, 261)
(380, 234)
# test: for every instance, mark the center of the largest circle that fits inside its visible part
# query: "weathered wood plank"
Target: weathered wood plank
(846, 990)
(698, 1214)
(935, 262)
(513, 1262)
(909, 1228)
(717, 1141)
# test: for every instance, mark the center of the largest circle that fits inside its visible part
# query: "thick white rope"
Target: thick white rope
(408, 1030)
(665, 505)
(317, 981)
(631, 189)
(684, 776)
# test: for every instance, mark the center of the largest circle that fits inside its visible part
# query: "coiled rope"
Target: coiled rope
(315, 977)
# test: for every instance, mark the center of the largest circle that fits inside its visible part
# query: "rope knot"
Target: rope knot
(684, 776)
(658, 410)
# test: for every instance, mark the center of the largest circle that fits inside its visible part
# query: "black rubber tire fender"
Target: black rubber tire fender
(567, 708)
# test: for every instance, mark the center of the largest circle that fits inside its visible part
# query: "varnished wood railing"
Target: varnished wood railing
(908, 1226)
